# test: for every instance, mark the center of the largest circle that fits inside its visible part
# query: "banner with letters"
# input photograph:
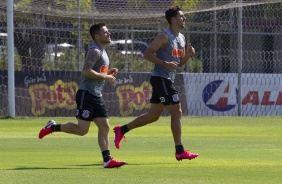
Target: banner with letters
(52, 93)
(217, 94)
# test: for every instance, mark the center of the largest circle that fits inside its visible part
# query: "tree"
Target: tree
(29, 36)
(30, 39)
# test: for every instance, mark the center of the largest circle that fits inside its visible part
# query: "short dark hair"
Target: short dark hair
(171, 12)
(95, 28)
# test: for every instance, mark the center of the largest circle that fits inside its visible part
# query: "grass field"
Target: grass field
(231, 150)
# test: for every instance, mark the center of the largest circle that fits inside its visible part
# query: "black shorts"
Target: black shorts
(163, 91)
(89, 106)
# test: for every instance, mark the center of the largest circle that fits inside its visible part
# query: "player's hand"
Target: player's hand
(113, 71)
(171, 65)
(110, 78)
(190, 50)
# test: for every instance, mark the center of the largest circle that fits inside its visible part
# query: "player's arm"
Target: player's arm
(92, 57)
(113, 71)
(189, 53)
(159, 41)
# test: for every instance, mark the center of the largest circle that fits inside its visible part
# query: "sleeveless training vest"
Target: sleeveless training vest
(173, 51)
(95, 86)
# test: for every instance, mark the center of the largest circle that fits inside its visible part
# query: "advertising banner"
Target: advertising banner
(217, 94)
(52, 93)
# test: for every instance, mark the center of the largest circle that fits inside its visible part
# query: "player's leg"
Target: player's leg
(100, 118)
(84, 101)
(103, 141)
(103, 132)
(168, 96)
(151, 116)
(84, 115)
(172, 103)
(176, 128)
(78, 129)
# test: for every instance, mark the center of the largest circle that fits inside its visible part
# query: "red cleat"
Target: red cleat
(186, 155)
(47, 129)
(113, 163)
(118, 136)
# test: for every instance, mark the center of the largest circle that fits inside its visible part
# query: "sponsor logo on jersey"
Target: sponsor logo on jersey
(104, 69)
(177, 52)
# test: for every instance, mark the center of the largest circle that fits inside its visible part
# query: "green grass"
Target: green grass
(231, 150)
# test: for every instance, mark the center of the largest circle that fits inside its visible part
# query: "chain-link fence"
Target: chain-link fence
(52, 35)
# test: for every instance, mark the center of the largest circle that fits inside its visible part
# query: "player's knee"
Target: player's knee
(106, 128)
(177, 114)
(155, 118)
(103, 128)
(180, 112)
(83, 132)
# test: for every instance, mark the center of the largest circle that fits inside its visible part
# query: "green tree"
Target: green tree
(30, 42)
(30, 38)
(186, 4)
(138, 3)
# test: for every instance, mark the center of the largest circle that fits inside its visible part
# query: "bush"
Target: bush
(4, 62)
(196, 65)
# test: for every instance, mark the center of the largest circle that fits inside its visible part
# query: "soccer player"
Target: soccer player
(167, 51)
(90, 105)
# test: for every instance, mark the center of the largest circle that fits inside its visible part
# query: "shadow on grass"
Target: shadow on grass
(53, 168)
(87, 165)
(80, 166)
(131, 164)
